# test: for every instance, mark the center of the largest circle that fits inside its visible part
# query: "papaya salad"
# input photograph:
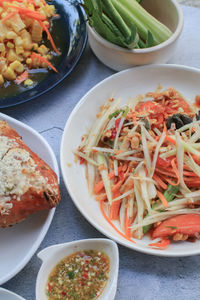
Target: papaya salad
(23, 24)
(143, 166)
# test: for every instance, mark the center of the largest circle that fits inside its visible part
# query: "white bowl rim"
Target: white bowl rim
(169, 41)
(46, 225)
(11, 293)
(114, 277)
(122, 242)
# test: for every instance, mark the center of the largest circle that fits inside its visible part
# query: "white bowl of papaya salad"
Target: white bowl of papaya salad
(134, 154)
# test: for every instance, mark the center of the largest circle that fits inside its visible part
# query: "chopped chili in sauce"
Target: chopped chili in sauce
(79, 276)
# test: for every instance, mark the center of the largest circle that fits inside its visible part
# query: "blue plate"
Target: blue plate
(70, 35)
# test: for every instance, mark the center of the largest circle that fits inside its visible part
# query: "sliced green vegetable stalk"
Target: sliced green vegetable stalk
(159, 30)
(105, 19)
(169, 195)
(125, 23)
(103, 169)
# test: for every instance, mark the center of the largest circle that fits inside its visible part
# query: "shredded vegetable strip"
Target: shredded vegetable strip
(147, 169)
(108, 220)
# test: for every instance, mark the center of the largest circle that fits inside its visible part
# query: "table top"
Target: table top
(140, 276)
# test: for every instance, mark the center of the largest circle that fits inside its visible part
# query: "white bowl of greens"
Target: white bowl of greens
(129, 36)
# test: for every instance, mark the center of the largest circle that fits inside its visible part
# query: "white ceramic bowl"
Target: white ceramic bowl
(52, 255)
(26, 236)
(8, 295)
(120, 86)
(168, 12)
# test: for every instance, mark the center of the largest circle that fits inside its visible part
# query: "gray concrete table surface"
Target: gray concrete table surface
(140, 276)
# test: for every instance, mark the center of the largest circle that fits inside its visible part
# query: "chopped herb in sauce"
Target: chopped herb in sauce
(79, 276)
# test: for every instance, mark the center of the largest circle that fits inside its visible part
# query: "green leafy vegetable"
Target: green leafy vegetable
(71, 275)
(171, 192)
(169, 195)
(125, 23)
(117, 112)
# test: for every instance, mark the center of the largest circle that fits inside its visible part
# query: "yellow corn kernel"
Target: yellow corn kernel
(36, 32)
(28, 82)
(11, 56)
(17, 66)
(26, 54)
(3, 14)
(17, 25)
(43, 50)
(18, 41)
(19, 50)
(26, 37)
(1, 79)
(10, 45)
(29, 61)
(46, 23)
(9, 74)
(2, 47)
(35, 46)
(11, 35)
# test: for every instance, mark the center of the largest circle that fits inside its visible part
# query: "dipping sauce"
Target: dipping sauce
(79, 276)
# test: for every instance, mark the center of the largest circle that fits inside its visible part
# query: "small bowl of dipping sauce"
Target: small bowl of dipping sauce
(80, 270)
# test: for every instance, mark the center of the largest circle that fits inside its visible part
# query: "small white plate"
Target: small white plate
(50, 256)
(24, 238)
(8, 295)
(123, 85)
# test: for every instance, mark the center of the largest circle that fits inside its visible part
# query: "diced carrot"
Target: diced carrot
(21, 78)
(162, 198)
(111, 224)
(160, 245)
(186, 224)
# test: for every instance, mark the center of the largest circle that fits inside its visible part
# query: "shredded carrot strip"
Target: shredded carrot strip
(134, 119)
(29, 12)
(162, 198)
(165, 128)
(114, 208)
(175, 170)
(127, 226)
(49, 37)
(171, 182)
(111, 224)
(100, 185)
(42, 59)
(169, 139)
(21, 77)
(118, 152)
(160, 182)
(192, 179)
(161, 245)
(8, 16)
